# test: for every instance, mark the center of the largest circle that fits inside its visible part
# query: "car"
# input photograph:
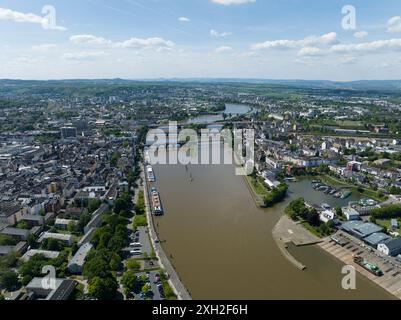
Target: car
(135, 244)
(135, 253)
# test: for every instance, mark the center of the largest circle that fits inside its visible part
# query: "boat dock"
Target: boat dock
(390, 280)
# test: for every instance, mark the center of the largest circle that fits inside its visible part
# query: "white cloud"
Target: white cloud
(394, 24)
(360, 34)
(325, 39)
(309, 52)
(223, 49)
(83, 56)
(184, 19)
(7, 14)
(138, 43)
(89, 39)
(44, 47)
(233, 2)
(218, 34)
(372, 46)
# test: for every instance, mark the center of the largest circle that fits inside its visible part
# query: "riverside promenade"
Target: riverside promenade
(173, 279)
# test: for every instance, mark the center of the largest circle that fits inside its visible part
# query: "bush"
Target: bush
(276, 195)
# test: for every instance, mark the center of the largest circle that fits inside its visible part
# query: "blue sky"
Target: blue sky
(136, 39)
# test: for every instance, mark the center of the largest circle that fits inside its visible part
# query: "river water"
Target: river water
(222, 246)
(231, 110)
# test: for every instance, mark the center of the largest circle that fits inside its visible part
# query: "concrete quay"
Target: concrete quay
(287, 231)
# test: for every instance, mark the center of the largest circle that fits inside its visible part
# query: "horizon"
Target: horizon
(234, 39)
(186, 79)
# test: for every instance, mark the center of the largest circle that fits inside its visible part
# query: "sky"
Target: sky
(148, 39)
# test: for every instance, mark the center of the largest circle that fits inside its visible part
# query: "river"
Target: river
(222, 246)
(231, 110)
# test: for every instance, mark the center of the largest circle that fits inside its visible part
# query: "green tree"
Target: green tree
(103, 288)
(313, 217)
(93, 205)
(130, 282)
(133, 264)
(6, 240)
(97, 266)
(9, 280)
(339, 211)
(114, 159)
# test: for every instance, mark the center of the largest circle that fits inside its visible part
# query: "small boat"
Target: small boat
(326, 206)
(345, 194)
(338, 240)
(372, 268)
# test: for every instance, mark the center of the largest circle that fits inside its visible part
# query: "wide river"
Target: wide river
(221, 243)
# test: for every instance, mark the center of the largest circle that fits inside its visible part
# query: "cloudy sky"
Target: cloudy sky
(137, 39)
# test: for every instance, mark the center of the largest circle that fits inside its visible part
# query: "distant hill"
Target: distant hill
(313, 84)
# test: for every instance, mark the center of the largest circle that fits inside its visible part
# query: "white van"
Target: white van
(135, 244)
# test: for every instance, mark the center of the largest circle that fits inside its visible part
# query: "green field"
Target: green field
(387, 224)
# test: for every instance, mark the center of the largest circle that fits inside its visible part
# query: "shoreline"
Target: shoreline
(287, 231)
(174, 280)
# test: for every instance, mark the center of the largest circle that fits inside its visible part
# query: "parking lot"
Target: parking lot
(154, 292)
(141, 236)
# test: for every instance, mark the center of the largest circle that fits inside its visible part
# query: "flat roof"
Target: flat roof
(376, 238)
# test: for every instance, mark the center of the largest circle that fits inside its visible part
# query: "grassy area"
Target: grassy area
(140, 220)
(253, 185)
(368, 193)
(258, 185)
(168, 291)
(387, 224)
(333, 181)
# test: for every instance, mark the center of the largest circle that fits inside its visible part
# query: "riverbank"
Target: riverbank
(257, 198)
(173, 278)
